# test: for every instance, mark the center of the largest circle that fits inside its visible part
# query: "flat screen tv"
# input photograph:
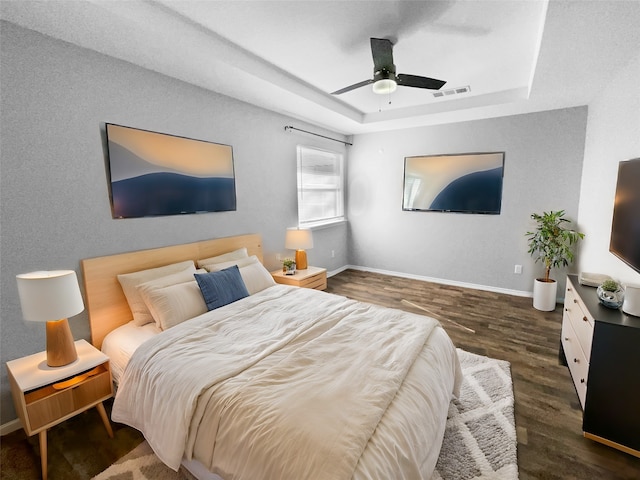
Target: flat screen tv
(152, 174)
(462, 183)
(625, 227)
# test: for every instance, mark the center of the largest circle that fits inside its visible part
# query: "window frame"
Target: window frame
(338, 188)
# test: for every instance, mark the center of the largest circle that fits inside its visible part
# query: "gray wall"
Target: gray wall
(543, 162)
(55, 210)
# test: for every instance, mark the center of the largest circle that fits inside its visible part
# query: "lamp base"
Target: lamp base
(61, 350)
(301, 260)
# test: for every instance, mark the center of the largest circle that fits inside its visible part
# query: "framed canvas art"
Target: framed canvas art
(153, 174)
(462, 183)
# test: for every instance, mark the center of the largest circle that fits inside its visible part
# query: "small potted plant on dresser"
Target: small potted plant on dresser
(551, 243)
(610, 294)
(289, 266)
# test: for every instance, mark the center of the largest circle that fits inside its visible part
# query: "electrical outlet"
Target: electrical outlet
(518, 270)
(278, 257)
(333, 254)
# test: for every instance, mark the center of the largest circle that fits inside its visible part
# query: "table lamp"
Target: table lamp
(52, 297)
(299, 240)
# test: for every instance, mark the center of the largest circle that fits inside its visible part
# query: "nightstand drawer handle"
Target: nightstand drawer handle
(575, 360)
(76, 380)
(575, 300)
(582, 380)
(584, 318)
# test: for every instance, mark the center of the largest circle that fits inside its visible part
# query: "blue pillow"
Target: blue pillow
(222, 287)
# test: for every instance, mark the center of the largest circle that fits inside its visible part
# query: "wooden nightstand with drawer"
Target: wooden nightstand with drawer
(46, 396)
(312, 277)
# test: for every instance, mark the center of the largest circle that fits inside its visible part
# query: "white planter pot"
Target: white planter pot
(544, 295)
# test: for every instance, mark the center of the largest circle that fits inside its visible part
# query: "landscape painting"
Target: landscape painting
(154, 174)
(462, 183)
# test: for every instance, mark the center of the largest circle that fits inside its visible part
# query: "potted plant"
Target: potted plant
(611, 294)
(551, 243)
(289, 266)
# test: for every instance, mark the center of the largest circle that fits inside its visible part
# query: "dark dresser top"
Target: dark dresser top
(600, 312)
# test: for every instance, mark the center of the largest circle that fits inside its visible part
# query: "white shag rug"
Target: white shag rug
(479, 441)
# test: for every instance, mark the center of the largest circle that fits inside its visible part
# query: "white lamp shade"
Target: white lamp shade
(298, 239)
(49, 295)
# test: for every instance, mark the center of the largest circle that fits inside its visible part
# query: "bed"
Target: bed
(281, 382)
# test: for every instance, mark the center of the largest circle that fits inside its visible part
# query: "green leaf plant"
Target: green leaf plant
(551, 242)
(610, 286)
(288, 262)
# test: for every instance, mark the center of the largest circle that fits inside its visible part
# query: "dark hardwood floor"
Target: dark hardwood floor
(547, 410)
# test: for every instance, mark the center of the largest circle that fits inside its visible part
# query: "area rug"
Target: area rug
(479, 441)
(480, 437)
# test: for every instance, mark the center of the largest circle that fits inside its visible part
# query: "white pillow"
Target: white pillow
(174, 304)
(255, 277)
(225, 257)
(180, 277)
(241, 262)
(173, 279)
(130, 281)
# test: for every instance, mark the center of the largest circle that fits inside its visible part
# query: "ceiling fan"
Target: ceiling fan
(384, 78)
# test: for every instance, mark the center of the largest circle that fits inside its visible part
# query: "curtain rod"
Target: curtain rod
(289, 127)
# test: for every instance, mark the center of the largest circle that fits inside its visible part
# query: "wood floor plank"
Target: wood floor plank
(547, 409)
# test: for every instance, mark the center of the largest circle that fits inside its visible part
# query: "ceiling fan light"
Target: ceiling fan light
(384, 86)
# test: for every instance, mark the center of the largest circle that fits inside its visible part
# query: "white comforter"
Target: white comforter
(294, 384)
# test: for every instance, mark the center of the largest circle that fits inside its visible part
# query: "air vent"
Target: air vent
(451, 91)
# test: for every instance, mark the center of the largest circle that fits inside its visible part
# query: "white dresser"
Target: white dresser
(602, 350)
(577, 335)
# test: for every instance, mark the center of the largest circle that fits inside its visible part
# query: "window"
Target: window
(320, 187)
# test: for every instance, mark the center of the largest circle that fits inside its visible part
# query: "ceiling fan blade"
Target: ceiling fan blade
(419, 82)
(382, 52)
(352, 87)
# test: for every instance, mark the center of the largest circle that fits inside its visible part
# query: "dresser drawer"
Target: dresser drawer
(581, 321)
(578, 364)
(317, 282)
(47, 405)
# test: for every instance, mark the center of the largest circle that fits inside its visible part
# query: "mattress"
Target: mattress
(120, 344)
(294, 383)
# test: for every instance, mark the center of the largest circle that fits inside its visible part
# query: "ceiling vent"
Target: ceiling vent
(451, 91)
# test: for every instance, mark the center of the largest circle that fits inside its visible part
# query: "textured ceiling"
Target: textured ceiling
(287, 56)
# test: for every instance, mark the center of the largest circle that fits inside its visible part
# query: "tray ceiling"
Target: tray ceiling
(287, 56)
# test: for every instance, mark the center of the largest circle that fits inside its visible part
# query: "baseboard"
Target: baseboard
(339, 270)
(517, 293)
(10, 427)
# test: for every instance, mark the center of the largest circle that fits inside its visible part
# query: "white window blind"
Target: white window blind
(320, 187)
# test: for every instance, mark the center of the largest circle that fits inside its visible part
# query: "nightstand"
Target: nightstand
(312, 277)
(46, 396)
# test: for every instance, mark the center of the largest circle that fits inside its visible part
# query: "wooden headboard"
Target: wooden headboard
(106, 303)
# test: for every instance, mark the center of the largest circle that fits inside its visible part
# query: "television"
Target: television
(154, 174)
(461, 183)
(625, 227)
